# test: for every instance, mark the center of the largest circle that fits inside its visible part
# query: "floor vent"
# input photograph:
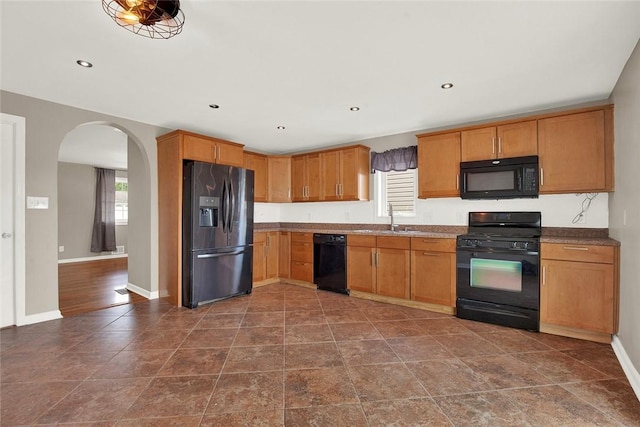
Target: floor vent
(122, 291)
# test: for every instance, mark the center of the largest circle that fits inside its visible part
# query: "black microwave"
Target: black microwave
(511, 178)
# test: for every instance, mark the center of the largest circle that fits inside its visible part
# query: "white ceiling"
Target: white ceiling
(302, 64)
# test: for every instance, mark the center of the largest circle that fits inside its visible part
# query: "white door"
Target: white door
(11, 228)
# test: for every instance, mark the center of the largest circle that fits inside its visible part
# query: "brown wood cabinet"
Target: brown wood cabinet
(209, 149)
(302, 256)
(499, 142)
(579, 293)
(279, 179)
(361, 263)
(284, 259)
(576, 152)
(393, 262)
(265, 255)
(438, 165)
(258, 163)
(305, 177)
(433, 271)
(345, 173)
(173, 148)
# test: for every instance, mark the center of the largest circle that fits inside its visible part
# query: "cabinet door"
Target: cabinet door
(229, 154)
(439, 165)
(258, 164)
(433, 277)
(517, 139)
(279, 179)
(578, 295)
(361, 272)
(313, 177)
(284, 258)
(198, 149)
(273, 250)
(331, 174)
(478, 144)
(354, 182)
(298, 179)
(301, 270)
(572, 153)
(393, 272)
(259, 256)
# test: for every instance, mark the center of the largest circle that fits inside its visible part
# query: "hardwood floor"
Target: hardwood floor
(88, 286)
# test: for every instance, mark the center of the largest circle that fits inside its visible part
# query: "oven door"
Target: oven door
(506, 277)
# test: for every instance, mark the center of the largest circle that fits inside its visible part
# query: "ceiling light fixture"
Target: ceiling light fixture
(83, 63)
(354, 108)
(447, 86)
(281, 128)
(214, 106)
(149, 18)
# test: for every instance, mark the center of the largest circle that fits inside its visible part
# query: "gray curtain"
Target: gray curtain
(397, 159)
(104, 218)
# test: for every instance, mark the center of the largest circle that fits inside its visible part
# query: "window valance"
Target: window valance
(397, 159)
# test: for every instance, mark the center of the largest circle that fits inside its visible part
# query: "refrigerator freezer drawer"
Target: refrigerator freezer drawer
(218, 274)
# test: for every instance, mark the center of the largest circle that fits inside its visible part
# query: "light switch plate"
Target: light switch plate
(37, 202)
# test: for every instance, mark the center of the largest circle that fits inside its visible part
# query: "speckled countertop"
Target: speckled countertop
(575, 236)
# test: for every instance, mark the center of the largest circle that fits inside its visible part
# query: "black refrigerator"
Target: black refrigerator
(217, 233)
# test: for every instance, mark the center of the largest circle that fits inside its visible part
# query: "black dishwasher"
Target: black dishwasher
(330, 262)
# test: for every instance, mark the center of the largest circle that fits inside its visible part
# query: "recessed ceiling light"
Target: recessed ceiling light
(214, 106)
(354, 108)
(281, 128)
(447, 86)
(83, 63)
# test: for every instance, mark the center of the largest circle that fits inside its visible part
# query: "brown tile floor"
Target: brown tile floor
(287, 355)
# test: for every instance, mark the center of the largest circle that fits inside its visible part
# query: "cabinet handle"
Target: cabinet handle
(429, 254)
(493, 145)
(377, 259)
(541, 177)
(341, 190)
(499, 145)
(289, 193)
(457, 181)
(337, 189)
(373, 259)
(544, 274)
(575, 248)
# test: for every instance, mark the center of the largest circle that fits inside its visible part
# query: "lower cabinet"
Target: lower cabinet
(265, 255)
(433, 271)
(302, 256)
(379, 265)
(579, 288)
(284, 261)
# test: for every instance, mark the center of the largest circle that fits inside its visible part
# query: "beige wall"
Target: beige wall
(625, 202)
(47, 124)
(76, 201)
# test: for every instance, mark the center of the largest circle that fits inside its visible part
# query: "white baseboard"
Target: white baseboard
(142, 292)
(39, 317)
(630, 371)
(91, 258)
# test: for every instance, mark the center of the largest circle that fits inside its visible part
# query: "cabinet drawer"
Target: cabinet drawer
(571, 252)
(301, 270)
(302, 237)
(390, 242)
(431, 244)
(363, 241)
(302, 251)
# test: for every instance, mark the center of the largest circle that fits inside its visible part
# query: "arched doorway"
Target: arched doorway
(90, 279)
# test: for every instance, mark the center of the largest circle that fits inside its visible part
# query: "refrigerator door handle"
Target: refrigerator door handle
(232, 206)
(224, 206)
(221, 253)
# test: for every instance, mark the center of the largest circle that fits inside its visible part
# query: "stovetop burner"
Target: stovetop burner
(509, 230)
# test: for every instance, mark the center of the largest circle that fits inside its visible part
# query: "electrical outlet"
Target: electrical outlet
(428, 216)
(347, 217)
(60, 248)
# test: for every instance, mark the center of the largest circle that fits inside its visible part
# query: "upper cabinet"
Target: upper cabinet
(499, 142)
(345, 174)
(305, 177)
(258, 163)
(279, 179)
(209, 149)
(439, 165)
(576, 152)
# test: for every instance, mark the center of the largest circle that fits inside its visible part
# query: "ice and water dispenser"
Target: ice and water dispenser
(209, 211)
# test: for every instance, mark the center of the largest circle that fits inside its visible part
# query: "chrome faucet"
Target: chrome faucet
(393, 226)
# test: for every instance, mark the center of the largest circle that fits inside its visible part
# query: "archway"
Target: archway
(94, 280)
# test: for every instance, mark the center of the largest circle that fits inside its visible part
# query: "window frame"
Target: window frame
(125, 205)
